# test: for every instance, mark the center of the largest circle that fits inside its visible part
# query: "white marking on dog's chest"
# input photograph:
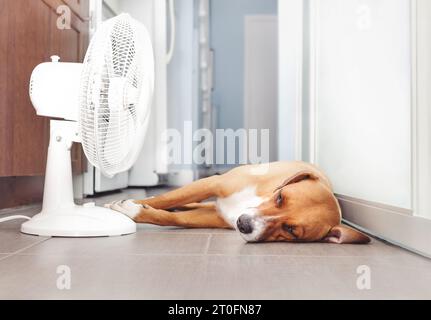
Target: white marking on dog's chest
(238, 203)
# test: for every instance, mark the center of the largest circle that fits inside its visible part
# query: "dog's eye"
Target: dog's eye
(279, 200)
(289, 228)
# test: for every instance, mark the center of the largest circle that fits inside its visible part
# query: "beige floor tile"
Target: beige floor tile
(282, 277)
(233, 244)
(119, 277)
(25, 211)
(207, 277)
(12, 240)
(3, 256)
(139, 243)
(174, 263)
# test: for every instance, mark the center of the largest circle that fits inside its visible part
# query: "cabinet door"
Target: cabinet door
(24, 35)
(29, 36)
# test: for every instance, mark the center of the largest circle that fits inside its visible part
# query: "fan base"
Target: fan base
(79, 221)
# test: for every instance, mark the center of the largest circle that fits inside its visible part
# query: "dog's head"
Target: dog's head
(301, 209)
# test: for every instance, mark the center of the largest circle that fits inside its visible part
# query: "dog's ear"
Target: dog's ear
(344, 234)
(300, 176)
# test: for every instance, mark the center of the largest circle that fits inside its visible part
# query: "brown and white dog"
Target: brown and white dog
(279, 201)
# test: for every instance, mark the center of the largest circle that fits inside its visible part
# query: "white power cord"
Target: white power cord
(172, 35)
(14, 218)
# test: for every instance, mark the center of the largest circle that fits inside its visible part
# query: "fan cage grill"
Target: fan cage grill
(117, 83)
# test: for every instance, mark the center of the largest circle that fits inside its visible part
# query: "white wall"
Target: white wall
(423, 115)
(363, 98)
(346, 65)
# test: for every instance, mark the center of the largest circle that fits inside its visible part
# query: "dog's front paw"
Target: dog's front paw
(128, 207)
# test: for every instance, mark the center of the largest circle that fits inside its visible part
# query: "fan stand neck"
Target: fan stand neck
(60, 216)
(58, 175)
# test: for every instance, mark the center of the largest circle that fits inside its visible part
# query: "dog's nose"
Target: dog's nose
(244, 224)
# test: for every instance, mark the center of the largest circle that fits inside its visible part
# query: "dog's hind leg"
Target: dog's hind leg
(194, 192)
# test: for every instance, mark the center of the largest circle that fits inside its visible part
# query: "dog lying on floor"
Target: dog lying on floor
(279, 201)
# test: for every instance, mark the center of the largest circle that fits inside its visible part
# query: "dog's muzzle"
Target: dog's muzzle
(245, 224)
(250, 227)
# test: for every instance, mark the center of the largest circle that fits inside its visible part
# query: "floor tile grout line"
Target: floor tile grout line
(382, 263)
(207, 245)
(6, 256)
(18, 252)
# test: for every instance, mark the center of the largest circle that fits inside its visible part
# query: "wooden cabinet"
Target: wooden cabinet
(79, 7)
(29, 36)
(23, 139)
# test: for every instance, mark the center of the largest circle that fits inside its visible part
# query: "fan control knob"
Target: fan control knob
(55, 58)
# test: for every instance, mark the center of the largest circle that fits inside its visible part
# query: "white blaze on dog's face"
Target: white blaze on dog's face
(244, 202)
(302, 209)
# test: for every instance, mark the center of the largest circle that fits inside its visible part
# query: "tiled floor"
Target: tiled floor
(170, 263)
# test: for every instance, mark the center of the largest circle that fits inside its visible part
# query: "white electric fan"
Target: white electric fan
(105, 103)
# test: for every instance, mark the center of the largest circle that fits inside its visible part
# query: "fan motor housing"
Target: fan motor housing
(54, 89)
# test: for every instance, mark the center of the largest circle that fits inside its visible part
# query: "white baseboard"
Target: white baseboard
(403, 229)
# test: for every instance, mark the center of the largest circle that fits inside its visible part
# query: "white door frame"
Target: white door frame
(405, 228)
(290, 76)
